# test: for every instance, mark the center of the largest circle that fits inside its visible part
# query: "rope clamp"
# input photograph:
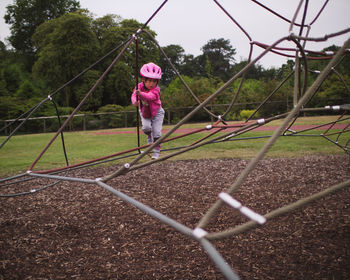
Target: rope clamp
(329, 53)
(49, 97)
(208, 127)
(261, 121)
(336, 107)
(230, 136)
(199, 233)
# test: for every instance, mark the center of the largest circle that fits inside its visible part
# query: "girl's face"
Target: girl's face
(150, 83)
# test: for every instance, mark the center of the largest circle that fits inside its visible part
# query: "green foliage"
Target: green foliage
(88, 81)
(118, 85)
(111, 120)
(25, 16)
(175, 53)
(218, 57)
(252, 91)
(176, 95)
(65, 47)
(245, 114)
(11, 76)
(27, 90)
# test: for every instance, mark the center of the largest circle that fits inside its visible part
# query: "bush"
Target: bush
(245, 114)
(111, 120)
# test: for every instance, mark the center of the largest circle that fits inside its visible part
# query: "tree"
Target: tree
(66, 46)
(121, 80)
(118, 85)
(103, 25)
(25, 16)
(188, 66)
(94, 101)
(175, 53)
(2, 48)
(220, 54)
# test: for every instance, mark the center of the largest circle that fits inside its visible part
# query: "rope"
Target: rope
(137, 96)
(59, 124)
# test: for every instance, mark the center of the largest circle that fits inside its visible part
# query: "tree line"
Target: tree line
(53, 41)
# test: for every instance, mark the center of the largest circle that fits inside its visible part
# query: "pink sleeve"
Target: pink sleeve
(152, 95)
(133, 97)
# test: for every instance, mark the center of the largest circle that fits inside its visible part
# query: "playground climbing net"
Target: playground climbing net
(219, 131)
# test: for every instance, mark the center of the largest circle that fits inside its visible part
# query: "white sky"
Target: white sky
(192, 23)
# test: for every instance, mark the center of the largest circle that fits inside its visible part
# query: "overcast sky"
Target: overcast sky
(192, 23)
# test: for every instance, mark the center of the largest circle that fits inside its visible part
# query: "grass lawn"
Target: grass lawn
(21, 150)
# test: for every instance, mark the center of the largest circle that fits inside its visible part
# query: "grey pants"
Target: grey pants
(153, 127)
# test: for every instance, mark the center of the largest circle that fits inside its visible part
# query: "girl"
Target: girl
(150, 106)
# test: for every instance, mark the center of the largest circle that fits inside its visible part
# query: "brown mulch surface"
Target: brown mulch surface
(81, 231)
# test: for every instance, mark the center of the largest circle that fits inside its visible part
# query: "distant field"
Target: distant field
(20, 151)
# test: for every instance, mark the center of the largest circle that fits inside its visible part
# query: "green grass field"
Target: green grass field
(20, 151)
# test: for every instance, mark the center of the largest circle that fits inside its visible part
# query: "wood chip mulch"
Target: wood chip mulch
(81, 231)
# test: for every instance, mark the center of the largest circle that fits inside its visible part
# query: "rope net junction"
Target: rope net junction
(218, 132)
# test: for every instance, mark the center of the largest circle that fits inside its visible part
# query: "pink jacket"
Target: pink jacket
(152, 97)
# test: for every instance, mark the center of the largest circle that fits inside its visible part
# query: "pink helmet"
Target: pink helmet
(151, 70)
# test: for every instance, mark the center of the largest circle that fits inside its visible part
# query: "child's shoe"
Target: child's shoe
(156, 155)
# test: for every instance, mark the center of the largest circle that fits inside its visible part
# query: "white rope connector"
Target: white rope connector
(230, 136)
(261, 121)
(127, 165)
(28, 172)
(208, 127)
(327, 107)
(336, 107)
(219, 117)
(33, 190)
(139, 31)
(316, 71)
(329, 52)
(230, 200)
(199, 233)
(252, 215)
(243, 209)
(98, 179)
(49, 97)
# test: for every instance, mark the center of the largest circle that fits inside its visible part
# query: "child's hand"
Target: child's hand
(138, 92)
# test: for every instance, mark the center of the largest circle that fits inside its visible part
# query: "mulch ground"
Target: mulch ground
(81, 231)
